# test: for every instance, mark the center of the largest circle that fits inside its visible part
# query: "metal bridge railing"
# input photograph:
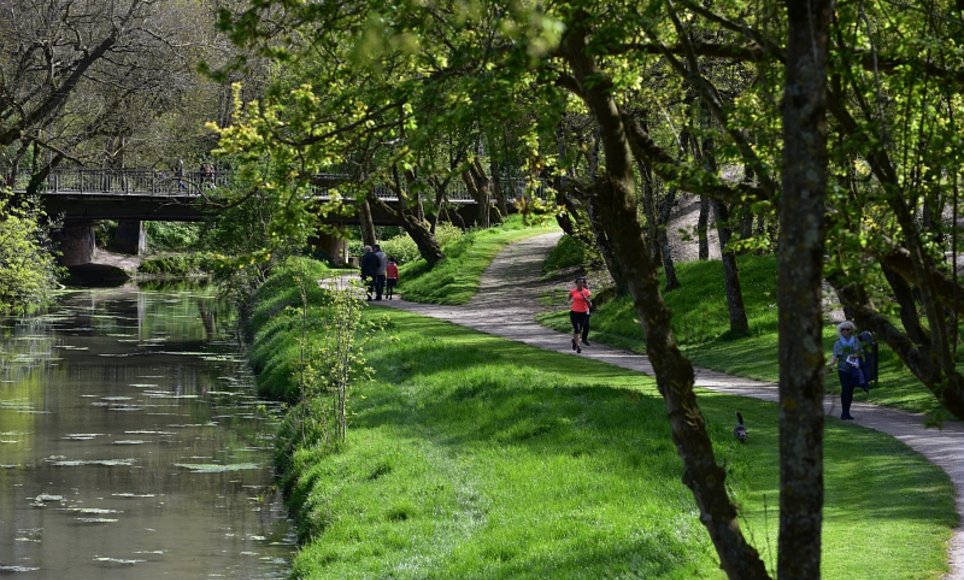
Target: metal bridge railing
(147, 182)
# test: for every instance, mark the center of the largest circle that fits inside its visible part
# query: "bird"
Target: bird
(740, 430)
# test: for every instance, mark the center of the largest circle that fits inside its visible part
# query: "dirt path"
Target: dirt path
(509, 297)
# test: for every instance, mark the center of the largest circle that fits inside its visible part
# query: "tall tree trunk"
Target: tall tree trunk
(739, 326)
(615, 204)
(419, 229)
(498, 187)
(477, 182)
(365, 220)
(702, 227)
(800, 272)
(669, 267)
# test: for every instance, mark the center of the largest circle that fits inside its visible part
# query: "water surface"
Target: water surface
(132, 445)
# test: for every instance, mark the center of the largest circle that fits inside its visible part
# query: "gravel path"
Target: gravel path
(509, 296)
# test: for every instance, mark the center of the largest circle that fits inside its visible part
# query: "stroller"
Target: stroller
(871, 359)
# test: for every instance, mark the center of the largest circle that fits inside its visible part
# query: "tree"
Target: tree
(800, 275)
(552, 64)
(87, 81)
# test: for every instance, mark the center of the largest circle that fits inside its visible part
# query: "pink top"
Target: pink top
(580, 299)
(392, 271)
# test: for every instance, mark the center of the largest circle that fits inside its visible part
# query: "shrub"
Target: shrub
(403, 247)
(171, 236)
(193, 264)
(28, 273)
(571, 252)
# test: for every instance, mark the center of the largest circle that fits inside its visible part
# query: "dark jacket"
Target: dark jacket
(369, 265)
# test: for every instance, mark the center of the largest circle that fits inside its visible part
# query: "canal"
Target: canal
(132, 444)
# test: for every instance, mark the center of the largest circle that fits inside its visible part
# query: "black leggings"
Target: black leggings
(580, 322)
(847, 385)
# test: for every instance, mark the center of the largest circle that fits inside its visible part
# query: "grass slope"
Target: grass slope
(456, 279)
(701, 324)
(474, 457)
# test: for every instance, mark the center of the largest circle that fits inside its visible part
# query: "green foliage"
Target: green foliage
(104, 232)
(570, 253)
(456, 279)
(404, 250)
(280, 293)
(472, 456)
(181, 265)
(28, 273)
(172, 236)
(331, 358)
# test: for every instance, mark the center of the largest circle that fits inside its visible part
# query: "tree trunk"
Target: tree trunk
(418, 229)
(615, 205)
(498, 187)
(367, 225)
(477, 182)
(701, 228)
(669, 268)
(800, 270)
(739, 326)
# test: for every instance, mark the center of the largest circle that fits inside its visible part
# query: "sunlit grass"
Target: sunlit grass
(471, 456)
(456, 279)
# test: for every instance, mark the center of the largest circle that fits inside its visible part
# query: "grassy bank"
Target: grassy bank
(278, 320)
(701, 324)
(471, 456)
(456, 279)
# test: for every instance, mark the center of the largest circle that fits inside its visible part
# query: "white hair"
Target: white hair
(846, 324)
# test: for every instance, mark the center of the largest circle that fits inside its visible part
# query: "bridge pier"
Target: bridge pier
(332, 247)
(77, 243)
(130, 238)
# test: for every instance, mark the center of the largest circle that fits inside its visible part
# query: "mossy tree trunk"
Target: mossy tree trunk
(800, 273)
(614, 202)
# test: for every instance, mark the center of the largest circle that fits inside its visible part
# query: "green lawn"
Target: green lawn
(456, 279)
(474, 457)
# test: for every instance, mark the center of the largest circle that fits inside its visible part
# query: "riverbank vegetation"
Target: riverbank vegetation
(28, 272)
(472, 456)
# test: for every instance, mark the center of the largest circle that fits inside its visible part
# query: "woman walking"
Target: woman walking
(848, 359)
(579, 306)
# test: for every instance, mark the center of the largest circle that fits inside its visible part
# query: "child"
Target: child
(391, 272)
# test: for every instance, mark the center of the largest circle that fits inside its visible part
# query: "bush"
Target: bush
(194, 264)
(570, 252)
(28, 273)
(171, 236)
(403, 247)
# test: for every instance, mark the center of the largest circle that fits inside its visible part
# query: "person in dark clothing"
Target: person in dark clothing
(380, 272)
(848, 358)
(369, 269)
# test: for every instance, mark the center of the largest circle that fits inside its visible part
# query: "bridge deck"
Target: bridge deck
(137, 194)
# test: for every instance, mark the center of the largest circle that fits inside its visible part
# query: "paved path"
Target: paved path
(509, 295)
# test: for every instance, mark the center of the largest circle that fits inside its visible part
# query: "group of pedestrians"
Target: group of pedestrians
(854, 356)
(379, 273)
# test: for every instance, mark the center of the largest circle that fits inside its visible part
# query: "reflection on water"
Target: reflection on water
(131, 445)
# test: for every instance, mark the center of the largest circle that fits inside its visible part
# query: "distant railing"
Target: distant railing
(147, 182)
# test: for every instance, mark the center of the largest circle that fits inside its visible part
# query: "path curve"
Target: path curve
(509, 296)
